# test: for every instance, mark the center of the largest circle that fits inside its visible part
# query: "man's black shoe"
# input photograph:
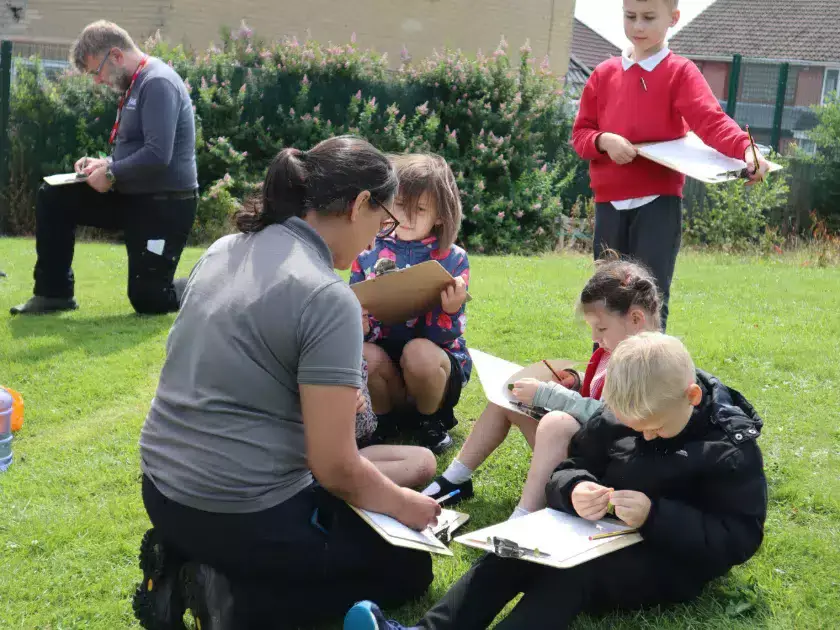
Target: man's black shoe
(37, 305)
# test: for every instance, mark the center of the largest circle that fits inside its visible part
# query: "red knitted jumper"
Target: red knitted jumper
(649, 107)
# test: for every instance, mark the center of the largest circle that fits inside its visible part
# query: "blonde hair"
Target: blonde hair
(673, 4)
(429, 173)
(646, 374)
(98, 38)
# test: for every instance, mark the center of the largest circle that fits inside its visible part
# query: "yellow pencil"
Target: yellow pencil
(613, 534)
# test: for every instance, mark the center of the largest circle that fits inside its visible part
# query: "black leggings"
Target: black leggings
(305, 561)
(631, 578)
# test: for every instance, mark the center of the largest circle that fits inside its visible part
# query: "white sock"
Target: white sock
(457, 473)
(518, 512)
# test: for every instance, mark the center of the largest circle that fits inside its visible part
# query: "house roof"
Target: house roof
(588, 48)
(805, 30)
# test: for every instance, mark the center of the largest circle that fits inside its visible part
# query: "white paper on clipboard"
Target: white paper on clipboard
(562, 539)
(64, 179)
(494, 374)
(693, 158)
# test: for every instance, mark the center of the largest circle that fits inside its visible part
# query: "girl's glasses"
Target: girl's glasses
(388, 225)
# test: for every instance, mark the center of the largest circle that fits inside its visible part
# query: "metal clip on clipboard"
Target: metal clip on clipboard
(505, 548)
(534, 412)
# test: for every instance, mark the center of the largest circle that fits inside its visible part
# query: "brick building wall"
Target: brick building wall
(386, 25)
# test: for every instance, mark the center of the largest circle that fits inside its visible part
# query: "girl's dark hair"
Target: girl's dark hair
(619, 285)
(327, 178)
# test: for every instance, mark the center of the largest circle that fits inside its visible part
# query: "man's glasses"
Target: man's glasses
(388, 225)
(102, 65)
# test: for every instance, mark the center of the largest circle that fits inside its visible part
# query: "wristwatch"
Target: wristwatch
(109, 175)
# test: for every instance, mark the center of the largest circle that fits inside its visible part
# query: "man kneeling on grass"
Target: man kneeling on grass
(675, 452)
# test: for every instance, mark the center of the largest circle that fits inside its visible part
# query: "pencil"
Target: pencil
(613, 534)
(754, 150)
(448, 496)
(556, 375)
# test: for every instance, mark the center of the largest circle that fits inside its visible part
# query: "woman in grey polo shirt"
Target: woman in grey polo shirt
(248, 452)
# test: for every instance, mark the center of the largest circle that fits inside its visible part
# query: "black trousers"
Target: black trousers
(628, 579)
(59, 209)
(650, 235)
(288, 571)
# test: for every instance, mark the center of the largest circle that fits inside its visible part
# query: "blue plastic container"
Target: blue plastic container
(6, 402)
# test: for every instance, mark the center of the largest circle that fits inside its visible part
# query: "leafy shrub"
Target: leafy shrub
(504, 130)
(735, 216)
(827, 138)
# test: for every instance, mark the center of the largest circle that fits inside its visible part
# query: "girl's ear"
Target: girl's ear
(638, 318)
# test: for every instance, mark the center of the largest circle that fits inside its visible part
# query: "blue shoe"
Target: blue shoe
(368, 616)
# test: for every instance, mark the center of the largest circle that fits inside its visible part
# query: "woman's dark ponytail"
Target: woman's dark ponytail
(327, 179)
(283, 195)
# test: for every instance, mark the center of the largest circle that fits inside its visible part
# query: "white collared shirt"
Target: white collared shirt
(648, 65)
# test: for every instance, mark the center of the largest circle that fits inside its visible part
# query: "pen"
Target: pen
(644, 85)
(448, 496)
(613, 534)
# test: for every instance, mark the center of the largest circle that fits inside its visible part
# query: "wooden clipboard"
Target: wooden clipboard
(693, 158)
(563, 534)
(399, 535)
(400, 295)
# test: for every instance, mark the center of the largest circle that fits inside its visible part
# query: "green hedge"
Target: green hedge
(504, 129)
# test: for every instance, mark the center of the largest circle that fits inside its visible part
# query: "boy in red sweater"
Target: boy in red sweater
(648, 95)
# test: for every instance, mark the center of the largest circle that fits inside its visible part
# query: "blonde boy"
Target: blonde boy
(675, 452)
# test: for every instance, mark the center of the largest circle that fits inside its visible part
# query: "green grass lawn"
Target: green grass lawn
(71, 516)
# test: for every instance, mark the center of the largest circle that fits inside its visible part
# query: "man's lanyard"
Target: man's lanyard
(125, 96)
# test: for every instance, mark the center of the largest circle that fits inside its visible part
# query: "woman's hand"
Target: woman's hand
(361, 403)
(418, 511)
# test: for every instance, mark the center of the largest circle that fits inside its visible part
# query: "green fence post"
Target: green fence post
(734, 82)
(776, 136)
(5, 145)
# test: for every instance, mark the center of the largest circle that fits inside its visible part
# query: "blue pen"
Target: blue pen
(448, 496)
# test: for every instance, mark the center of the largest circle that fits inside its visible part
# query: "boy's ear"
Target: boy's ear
(675, 17)
(695, 395)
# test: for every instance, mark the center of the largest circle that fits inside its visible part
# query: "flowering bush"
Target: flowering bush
(504, 130)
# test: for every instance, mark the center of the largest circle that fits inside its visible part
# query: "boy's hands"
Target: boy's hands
(620, 149)
(756, 172)
(631, 507)
(452, 298)
(524, 390)
(591, 500)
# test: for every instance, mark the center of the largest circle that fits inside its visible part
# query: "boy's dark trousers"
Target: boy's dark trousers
(628, 579)
(165, 216)
(286, 570)
(650, 235)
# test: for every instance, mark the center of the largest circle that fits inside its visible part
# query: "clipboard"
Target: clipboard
(693, 158)
(400, 295)
(65, 179)
(400, 535)
(551, 538)
(497, 374)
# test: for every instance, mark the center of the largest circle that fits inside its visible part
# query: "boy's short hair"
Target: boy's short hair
(426, 172)
(646, 374)
(673, 4)
(98, 38)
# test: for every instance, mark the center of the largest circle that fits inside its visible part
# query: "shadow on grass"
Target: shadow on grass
(97, 336)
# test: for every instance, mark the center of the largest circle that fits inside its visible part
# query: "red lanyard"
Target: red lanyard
(124, 98)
